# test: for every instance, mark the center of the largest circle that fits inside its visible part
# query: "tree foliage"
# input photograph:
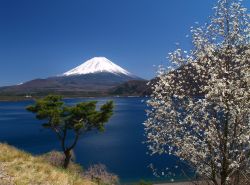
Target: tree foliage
(78, 119)
(200, 106)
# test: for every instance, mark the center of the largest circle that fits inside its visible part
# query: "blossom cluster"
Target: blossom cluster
(200, 107)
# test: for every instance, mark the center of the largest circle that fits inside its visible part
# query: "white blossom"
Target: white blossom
(200, 108)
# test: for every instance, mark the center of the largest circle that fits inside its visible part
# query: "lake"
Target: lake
(120, 147)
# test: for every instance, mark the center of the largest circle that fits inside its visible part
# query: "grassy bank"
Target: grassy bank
(20, 168)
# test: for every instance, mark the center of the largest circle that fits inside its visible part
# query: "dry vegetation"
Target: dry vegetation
(20, 168)
(99, 174)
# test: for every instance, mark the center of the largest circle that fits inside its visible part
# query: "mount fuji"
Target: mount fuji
(95, 76)
(98, 65)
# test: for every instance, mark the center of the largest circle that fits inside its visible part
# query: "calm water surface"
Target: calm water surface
(120, 147)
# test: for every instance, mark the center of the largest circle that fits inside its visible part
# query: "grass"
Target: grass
(21, 168)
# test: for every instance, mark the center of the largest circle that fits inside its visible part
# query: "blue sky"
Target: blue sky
(42, 38)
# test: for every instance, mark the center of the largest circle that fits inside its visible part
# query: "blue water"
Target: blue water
(120, 147)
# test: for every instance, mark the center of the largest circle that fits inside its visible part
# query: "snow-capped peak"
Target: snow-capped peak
(97, 65)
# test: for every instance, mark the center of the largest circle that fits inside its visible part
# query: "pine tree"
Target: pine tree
(63, 119)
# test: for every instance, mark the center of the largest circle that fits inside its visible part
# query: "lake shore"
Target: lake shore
(181, 183)
(175, 183)
(23, 98)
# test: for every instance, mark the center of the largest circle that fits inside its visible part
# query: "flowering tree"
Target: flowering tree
(200, 106)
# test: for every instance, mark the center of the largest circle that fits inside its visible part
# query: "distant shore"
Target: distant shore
(22, 98)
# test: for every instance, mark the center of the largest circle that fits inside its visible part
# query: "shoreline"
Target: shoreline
(175, 183)
(19, 99)
(182, 183)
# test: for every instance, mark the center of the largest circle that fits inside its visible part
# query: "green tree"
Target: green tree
(63, 119)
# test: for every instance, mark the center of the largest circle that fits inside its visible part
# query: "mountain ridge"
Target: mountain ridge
(96, 75)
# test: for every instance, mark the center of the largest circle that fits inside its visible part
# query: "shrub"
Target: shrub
(142, 182)
(99, 174)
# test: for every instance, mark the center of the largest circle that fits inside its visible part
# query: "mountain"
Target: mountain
(98, 65)
(95, 76)
(132, 88)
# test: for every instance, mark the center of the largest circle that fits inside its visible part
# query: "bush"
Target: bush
(99, 174)
(56, 159)
(142, 182)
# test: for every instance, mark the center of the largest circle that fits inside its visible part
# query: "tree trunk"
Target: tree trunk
(237, 178)
(67, 159)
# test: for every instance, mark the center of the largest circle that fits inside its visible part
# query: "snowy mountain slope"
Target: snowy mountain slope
(98, 65)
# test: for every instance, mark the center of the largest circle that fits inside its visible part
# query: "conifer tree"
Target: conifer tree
(63, 119)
